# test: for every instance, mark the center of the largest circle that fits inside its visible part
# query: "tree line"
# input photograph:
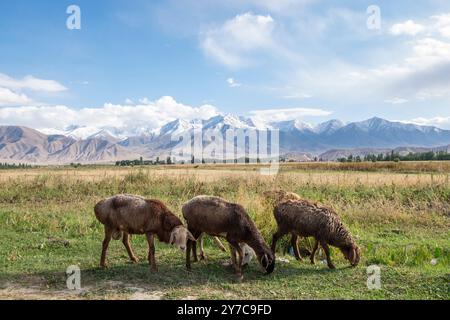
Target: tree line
(14, 165)
(396, 157)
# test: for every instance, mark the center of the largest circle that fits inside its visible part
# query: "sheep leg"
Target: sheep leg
(327, 253)
(108, 235)
(202, 249)
(294, 243)
(219, 244)
(127, 244)
(151, 252)
(188, 254)
(236, 260)
(194, 248)
(275, 238)
(313, 253)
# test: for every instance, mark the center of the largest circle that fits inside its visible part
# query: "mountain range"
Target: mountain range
(329, 140)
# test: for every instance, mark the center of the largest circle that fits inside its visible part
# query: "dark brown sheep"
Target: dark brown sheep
(123, 215)
(273, 198)
(306, 219)
(218, 217)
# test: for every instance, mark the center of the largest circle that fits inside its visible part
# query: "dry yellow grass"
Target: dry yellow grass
(209, 173)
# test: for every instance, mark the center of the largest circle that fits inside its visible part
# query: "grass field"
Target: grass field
(398, 213)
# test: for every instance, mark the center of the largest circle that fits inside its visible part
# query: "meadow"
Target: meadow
(399, 214)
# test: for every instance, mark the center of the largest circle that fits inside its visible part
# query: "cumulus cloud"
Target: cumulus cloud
(10, 98)
(150, 115)
(406, 28)
(30, 83)
(270, 115)
(230, 43)
(442, 24)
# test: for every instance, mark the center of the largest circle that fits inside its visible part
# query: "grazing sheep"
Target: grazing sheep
(274, 197)
(305, 219)
(218, 217)
(123, 215)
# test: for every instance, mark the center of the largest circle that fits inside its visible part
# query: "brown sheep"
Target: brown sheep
(274, 197)
(218, 217)
(123, 215)
(305, 219)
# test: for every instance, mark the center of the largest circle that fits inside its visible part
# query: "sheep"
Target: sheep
(218, 217)
(304, 218)
(123, 215)
(274, 197)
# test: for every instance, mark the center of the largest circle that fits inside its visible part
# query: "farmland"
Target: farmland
(399, 214)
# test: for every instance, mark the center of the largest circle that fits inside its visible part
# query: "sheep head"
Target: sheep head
(248, 254)
(179, 237)
(352, 253)
(267, 261)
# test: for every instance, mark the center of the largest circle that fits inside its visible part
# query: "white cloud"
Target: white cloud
(406, 28)
(232, 83)
(30, 83)
(285, 114)
(231, 42)
(423, 73)
(440, 122)
(396, 100)
(10, 98)
(442, 24)
(151, 115)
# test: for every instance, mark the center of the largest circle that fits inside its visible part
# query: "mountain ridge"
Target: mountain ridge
(88, 144)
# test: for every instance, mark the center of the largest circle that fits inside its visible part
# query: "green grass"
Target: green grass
(48, 224)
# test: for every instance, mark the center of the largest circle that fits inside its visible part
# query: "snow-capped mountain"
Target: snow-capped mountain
(91, 144)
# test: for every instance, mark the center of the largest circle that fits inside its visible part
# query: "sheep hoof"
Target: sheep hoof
(134, 260)
(202, 257)
(331, 266)
(239, 277)
(153, 269)
(313, 262)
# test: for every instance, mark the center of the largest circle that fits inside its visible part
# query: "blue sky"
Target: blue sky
(157, 60)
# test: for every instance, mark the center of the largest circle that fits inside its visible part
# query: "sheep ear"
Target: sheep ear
(172, 235)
